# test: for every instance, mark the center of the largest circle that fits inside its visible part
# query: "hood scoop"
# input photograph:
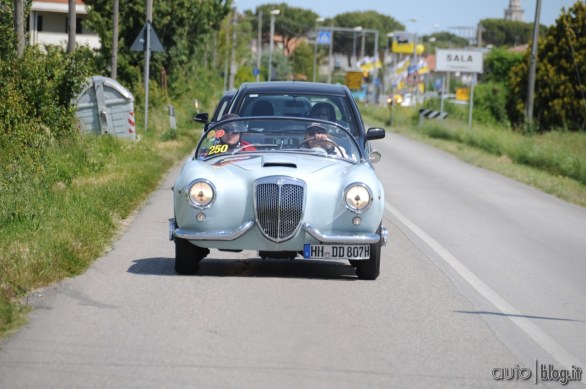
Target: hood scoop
(279, 161)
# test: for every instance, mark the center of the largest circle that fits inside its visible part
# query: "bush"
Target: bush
(47, 83)
(35, 95)
(490, 104)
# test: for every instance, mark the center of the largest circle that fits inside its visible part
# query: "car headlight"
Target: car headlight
(201, 194)
(358, 197)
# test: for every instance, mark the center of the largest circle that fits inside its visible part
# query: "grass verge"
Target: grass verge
(54, 225)
(553, 162)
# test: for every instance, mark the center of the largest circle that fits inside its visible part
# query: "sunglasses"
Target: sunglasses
(313, 131)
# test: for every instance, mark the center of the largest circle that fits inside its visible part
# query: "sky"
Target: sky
(425, 16)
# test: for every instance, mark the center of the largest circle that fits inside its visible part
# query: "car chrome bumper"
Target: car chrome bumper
(226, 235)
(347, 238)
(208, 235)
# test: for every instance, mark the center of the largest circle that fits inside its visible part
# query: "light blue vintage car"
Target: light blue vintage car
(285, 187)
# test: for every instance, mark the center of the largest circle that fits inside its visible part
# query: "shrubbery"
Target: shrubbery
(35, 107)
(560, 86)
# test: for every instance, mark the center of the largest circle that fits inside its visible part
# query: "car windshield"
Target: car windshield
(278, 135)
(334, 108)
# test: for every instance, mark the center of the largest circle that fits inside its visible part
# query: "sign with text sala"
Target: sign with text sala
(465, 61)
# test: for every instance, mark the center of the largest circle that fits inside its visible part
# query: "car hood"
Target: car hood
(253, 162)
(240, 168)
(233, 179)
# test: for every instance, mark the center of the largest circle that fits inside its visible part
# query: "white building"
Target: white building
(48, 24)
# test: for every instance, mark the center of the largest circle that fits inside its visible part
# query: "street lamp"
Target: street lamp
(317, 21)
(271, 43)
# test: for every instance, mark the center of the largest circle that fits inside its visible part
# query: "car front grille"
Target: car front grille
(279, 206)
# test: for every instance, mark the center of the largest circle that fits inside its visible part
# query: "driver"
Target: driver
(316, 135)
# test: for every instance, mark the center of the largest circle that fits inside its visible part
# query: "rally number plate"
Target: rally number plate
(322, 251)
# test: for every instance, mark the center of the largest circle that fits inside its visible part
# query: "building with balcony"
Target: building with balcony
(48, 24)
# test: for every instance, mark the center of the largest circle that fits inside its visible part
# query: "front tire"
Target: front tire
(188, 256)
(370, 269)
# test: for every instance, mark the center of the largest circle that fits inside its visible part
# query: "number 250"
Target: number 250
(218, 149)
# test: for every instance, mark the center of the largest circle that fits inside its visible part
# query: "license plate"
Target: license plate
(322, 251)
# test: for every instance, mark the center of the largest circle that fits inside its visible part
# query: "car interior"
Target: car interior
(298, 106)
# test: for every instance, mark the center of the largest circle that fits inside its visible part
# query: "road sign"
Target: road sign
(140, 41)
(324, 37)
(465, 61)
(255, 71)
(430, 114)
(462, 94)
(403, 42)
(354, 80)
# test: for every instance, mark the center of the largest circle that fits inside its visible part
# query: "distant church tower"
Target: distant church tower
(515, 12)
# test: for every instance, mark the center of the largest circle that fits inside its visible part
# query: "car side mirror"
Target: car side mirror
(203, 117)
(375, 133)
(374, 157)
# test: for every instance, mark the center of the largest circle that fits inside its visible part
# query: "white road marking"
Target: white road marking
(534, 332)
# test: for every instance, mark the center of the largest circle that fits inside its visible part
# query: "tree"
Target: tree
(560, 85)
(443, 40)
(7, 36)
(498, 63)
(344, 41)
(183, 26)
(242, 53)
(500, 32)
(291, 23)
(302, 61)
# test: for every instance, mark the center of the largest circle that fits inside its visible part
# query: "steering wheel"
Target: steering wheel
(323, 140)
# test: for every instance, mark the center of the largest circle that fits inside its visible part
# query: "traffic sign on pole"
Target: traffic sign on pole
(324, 37)
(140, 41)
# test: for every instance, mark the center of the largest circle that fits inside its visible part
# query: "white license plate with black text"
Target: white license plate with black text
(322, 251)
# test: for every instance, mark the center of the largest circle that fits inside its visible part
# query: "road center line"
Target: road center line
(525, 324)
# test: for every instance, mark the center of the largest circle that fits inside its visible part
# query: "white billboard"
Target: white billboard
(465, 61)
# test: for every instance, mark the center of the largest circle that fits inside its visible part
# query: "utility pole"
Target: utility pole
(19, 26)
(532, 67)
(226, 65)
(317, 21)
(147, 57)
(274, 13)
(71, 26)
(362, 45)
(114, 65)
(233, 49)
(331, 60)
(259, 45)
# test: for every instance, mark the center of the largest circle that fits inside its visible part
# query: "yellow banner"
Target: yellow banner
(402, 48)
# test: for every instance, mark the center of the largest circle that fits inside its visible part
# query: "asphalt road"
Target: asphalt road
(481, 274)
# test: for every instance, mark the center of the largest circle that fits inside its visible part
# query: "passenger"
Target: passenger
(229, 134)
(323, 111)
